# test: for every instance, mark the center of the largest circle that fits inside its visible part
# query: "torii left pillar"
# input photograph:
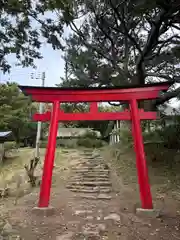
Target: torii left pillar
(49, 158)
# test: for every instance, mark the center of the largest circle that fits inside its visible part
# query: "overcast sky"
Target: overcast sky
(52, 63)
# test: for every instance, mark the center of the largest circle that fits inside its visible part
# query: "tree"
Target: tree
(15, 113)
(25, 25)
(124, 42)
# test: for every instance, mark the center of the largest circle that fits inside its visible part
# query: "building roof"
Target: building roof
(5, 134)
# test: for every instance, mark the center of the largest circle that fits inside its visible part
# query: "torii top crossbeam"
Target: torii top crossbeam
(95, 94)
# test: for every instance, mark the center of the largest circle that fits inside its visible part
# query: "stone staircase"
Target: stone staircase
(91, 179)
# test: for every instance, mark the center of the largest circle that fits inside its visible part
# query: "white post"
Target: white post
(117, 126)
(38, 136)
(115, 134)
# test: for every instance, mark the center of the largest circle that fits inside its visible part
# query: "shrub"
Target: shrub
(90, 143)
(72, 143)
(90, 134)
(67, 143)
(151, 136)
(126, 136)
(171, 136)
(43, 144)
(9, 146)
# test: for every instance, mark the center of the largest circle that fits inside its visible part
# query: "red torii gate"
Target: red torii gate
(132, 94)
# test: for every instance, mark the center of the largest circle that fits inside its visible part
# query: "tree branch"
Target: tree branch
(167, 96)
(176, 27)
(170, 79)
(131, 38)
(99, 22)
(80, 34)
(151, 42)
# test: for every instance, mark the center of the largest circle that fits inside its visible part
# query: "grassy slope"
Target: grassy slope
(164, 171)
(14, 165)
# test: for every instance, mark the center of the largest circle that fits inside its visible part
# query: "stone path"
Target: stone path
(91, 181)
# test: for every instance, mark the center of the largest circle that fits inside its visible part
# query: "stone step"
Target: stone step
(94, 164)
(87, 179)
(99, 183)
(91, 176)
(104, 176)
(81, 187)
(90, 190)
(92, 159)
(97, 166)
(93, 187)
(91, 171)
(101, 196)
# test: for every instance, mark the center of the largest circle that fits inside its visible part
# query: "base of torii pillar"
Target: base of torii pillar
(152, 213)
(44, 211)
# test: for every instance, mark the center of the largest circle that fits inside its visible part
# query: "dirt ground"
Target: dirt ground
(76, 218)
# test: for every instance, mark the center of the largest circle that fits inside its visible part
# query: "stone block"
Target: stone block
(44, 212)
(153, 213)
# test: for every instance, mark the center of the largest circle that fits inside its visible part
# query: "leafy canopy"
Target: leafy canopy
(25, 25)
(123, 42)
(15, 112)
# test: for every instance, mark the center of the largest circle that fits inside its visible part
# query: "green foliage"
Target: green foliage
(166, 134)
(120, 43)
(9, 146)
(15, 113)
(90, 143)
(90, 134)
(43, 144)
(14, 109)
(126, 136)
(25, 25)
(170, 135)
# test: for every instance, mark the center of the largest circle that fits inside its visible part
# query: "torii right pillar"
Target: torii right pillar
(143, 179)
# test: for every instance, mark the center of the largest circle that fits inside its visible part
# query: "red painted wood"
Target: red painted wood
(49, 159)
(94, 107)
(95, 97)
(95, 91)
(145, 191)
(100, 116)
